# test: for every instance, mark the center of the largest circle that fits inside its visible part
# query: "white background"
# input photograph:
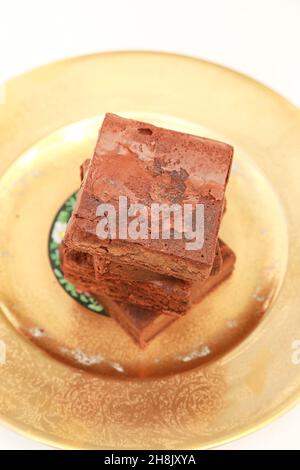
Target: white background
(258, 37)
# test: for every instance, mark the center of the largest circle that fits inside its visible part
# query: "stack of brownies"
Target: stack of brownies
(147, 282)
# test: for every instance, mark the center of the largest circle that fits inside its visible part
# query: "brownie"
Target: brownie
(200, 289)
(218, 261)
(125, 272)
(110, 269)
(78, 268)
(148, 164)
(168, 295)
(143, 325)
(128, 284)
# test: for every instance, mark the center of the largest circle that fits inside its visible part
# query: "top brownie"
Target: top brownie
(147, 164)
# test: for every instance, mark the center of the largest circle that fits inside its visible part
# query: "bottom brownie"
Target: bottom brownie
(143, 325)
(140, 323)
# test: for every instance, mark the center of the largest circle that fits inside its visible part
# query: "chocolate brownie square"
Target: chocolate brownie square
(146, 289)
(143, 324)
(149, 165)
(167, 295)
(128, 284)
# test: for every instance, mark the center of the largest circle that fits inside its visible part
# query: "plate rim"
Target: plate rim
(286, 404)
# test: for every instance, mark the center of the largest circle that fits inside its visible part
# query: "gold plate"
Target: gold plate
(72, 378)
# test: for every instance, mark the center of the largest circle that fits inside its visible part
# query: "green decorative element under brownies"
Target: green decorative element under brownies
(57, 232)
